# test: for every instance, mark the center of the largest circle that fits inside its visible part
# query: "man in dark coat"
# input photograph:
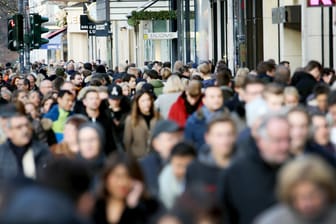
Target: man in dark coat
(247, 187)
(20, 155)
(164, 136)
(96, 113)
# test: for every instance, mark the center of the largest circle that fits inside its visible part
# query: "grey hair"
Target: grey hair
(262, 131)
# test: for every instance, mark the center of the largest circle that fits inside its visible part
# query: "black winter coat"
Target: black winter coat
(247, 188)
(305, 83)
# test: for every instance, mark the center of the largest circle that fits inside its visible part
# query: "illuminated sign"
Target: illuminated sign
(321, 2)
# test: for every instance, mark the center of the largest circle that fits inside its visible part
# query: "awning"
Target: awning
(55, 39)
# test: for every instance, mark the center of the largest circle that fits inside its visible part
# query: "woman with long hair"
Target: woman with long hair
(171, 91)
(139, 123)
(122, 197)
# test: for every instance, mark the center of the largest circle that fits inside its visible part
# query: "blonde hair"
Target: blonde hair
(310, 169)
(204, 68)
(165, 73)
(292, 91)
(173, 85)
(242, 72)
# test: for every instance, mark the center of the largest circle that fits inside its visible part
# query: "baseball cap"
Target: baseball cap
(115, 92)
(164, 126)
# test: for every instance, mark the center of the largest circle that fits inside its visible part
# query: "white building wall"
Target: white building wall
(77, 39)
(271, 49)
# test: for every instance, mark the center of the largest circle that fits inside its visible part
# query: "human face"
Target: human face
(179, 165)
(19, 131)
(308, 199)
(132, 83)
(31, 110)
(114, 104)
(78, 80)
(35, 98)
(291, 100)
(31, 81)
(70, 134)
(274, 102)
(316, 73)
(92, 101)
(253, 91)
(213, 99)
(45, 87)
(47, 105)
(327, 78)
(192, 100)
(145, 104)
(66, 102)
(119, 182)
(22, 97)
(299, 129)
(125, 90)
(321, 130)
(274, 148)
(89, 143)
(221, 138)
(322, 102)
(20, 84)
(164, 143)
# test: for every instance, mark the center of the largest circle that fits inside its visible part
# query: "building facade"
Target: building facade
(241, 32)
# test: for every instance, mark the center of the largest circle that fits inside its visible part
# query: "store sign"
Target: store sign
(321, 2)
(160, 36)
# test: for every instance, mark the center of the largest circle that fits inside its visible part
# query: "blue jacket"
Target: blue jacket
(151, 167)
(196, 125)
(58, 125)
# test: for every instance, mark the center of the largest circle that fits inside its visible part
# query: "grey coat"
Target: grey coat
(283, 214)
(9, 167)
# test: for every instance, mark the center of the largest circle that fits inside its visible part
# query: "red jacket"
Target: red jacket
(178, 111)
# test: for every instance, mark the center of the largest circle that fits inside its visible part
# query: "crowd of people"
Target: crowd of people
(168, 144)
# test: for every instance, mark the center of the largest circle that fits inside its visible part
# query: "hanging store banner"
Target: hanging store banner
(160, 36)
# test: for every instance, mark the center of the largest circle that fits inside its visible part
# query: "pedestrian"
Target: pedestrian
(165, 135)
(220, 138)
(174, 173)
(21, 155)
(60, 112)
(247, 187)
(119, 108)
(306, 80)
(97, 112)
(69, 147)
(139, 124)
(171, 91)
(196, 124)
(306, 190)
(187, 103)
(123, 197)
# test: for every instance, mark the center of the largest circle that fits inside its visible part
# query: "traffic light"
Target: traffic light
(37, 30)
(15, 32)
